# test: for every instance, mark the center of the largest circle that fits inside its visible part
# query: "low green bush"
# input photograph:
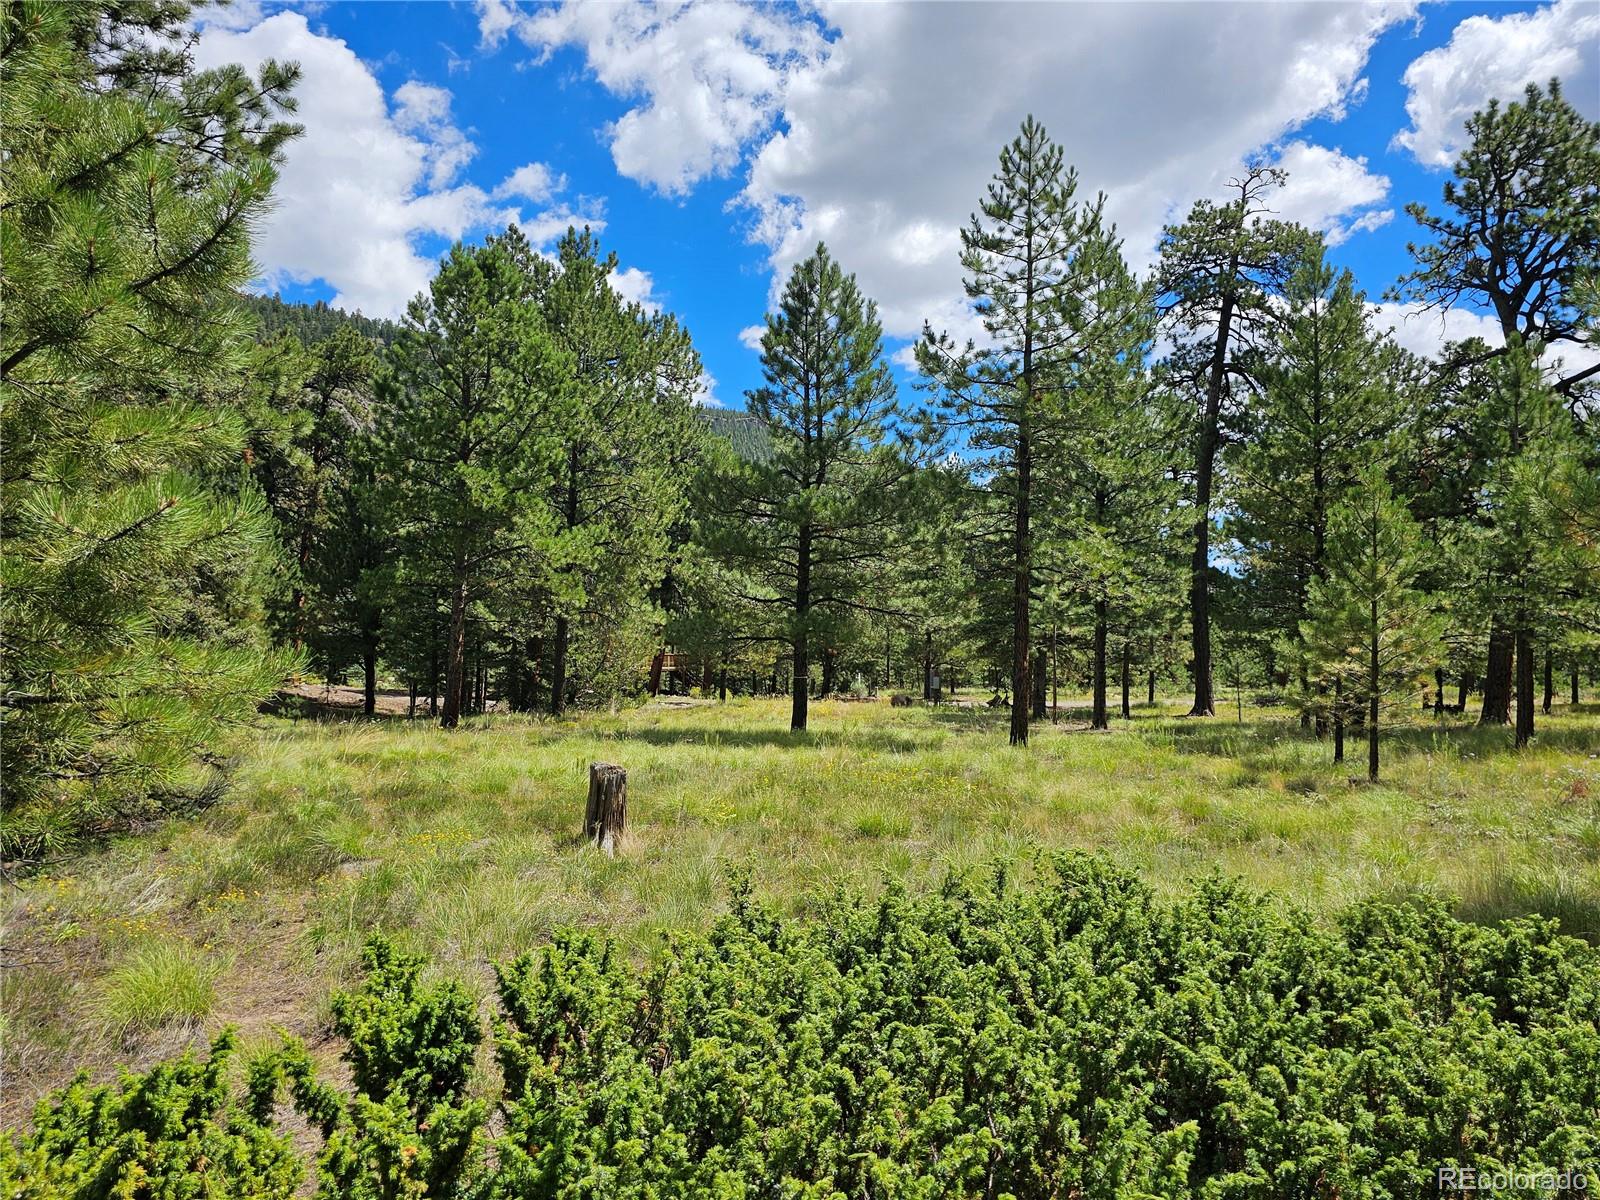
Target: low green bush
(1070, 1036)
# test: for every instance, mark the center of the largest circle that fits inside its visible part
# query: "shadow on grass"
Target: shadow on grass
(1502, 895)
(1256, 740)
(884, 741)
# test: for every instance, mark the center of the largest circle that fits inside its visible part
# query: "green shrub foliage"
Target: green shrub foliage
(1072, 1035)
(175, 1133)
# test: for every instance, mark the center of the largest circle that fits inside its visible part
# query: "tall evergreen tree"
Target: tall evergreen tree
(1027, 255)
(1521, 228)
(134, 546)
(1372, 632)
(472, 405)
(1110, 497)
(628, 443)
(1520, 234)
(1327, 402)
(812, 527)
(1219, 272)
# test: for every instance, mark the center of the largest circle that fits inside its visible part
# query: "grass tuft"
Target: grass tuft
(159, 983)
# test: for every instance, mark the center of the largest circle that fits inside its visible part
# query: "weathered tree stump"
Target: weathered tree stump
(607, 814)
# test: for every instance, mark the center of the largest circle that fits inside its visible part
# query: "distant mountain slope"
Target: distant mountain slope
(311, 323)
(748, 436)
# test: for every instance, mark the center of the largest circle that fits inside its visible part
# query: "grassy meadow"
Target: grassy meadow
(466, 844)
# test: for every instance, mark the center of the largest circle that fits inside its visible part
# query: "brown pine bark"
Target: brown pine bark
(1021, 580)
(1127, 683)
(1497, 679)
(1098, 718)
(455, 655)
(1524, 673)
(801, 692)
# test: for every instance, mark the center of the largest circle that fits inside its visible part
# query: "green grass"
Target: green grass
(466, 844)
(158, 984)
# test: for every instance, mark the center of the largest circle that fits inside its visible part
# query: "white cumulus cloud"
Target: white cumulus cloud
(636, 286)
(532, 181)
(1330, 191)
(707, 77)
(368, 179)
(875, 127)
(1496, 58)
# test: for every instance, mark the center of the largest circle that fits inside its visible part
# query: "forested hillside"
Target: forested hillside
(311, 323)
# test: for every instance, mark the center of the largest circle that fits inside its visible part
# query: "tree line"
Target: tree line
(1221, 469)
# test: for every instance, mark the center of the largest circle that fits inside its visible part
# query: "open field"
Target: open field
(465, 844)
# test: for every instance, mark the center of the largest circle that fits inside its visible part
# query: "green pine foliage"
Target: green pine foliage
(135, 547)
(810, 531)
(1069, 1035)
(626, 451)
(1030, 256)
(469, 411)
(1374, 632)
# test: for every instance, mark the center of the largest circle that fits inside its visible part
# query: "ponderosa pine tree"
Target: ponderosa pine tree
(1372, 634)
(134, 546)
(1520, 234)
(1219, 273)
(315, 414)
(1110, 497)
(1327, 401)
(1027, 254)
(812, 527)
(1530, 447)
(471, 407)
(628, 443)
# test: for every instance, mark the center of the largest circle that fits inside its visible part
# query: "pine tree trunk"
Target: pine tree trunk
(802, 618)
(1055, 679)
(1497, 679)
(411, 706)
(558, 667)
(1374, 683)
(605, 819)
(369, 680)
(1150, 691)
(927, 666)
(1574, 685)
(1098, 718)
(1021, 584)
(1338, 721)
(1549, 679)
(1465, 692)
(722, 683)
(1127, 682)
(830, 669)
(1438, 691)
(1205, 468)
(1036, 676)
(1524, 672)
(455, 656)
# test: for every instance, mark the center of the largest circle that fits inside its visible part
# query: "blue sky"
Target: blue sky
(716, 142)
